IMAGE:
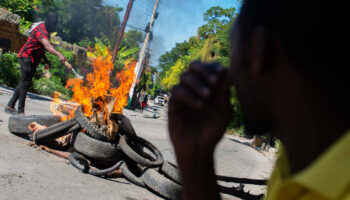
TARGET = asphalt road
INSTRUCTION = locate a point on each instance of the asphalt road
(27, 173)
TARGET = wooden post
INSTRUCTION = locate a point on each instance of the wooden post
(138, 68)
(121, 31)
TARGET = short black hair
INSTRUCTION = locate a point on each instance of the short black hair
(310, 31)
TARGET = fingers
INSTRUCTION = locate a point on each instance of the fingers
(182, 95)
(199, 84)
(206, 72)
(191, 81)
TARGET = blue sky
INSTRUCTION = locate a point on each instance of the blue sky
(178, 20)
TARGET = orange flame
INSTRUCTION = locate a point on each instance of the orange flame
(60, 108)
(98, 85)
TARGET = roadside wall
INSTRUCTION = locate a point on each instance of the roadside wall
(10, 38)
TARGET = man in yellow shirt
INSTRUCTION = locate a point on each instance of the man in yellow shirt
(291, 77)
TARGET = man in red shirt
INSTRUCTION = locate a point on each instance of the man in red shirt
(29, 58)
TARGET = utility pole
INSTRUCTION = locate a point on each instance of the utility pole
(135, 96)
(139, 66)
(121, 31)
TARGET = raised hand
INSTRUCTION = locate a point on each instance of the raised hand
(199, 110)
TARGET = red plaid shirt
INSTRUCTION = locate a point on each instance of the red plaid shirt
(33, 48)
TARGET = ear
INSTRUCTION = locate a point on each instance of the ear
(261, 52)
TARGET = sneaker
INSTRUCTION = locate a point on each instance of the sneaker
(21, 113)
(10, 110)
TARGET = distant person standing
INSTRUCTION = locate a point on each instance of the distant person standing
(144, 103)
(165, 98)
(30, 56)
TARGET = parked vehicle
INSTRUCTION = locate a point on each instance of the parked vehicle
(159, 100)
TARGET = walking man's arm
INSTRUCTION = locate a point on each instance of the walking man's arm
(48, 46)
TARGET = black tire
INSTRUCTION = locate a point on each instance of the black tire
(126, 127)
(242, 180)
(96, 149)
(131, 176)
(161, 185)
(55, 131)
(239, 192)
(136, 157)
(18, 124)
(90, 128)
(81, 163)
(170, 170)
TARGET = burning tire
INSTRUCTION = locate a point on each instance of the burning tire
(94, 148)
(161, 185)
(55, 131)
(126, 127)
(18, 124)
(136, 157)
(90, 128)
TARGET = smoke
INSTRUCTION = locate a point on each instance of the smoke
(157, 48)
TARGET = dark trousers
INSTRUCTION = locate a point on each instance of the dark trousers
(27, 73)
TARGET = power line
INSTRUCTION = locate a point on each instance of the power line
(123, 2)
(134, 27)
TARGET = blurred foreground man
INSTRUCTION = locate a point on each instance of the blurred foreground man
(292, 80)
(30, 56)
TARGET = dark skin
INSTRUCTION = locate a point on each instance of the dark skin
(276, 97)
(48, 46)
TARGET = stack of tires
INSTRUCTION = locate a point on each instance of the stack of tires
(126, 152)
(89, 142)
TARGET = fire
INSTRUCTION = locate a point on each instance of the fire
(60, 108)
(98, 86)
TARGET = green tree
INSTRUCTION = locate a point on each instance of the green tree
(23, 8)
(216, 17)
(10, 74)
(83, 20)
(170, 58)
(211, 45)
(132, 39)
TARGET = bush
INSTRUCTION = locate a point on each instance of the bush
(10, 70)
(279, 147)
(10, 74)
(47, 86)
(59, 77)
(57, 69)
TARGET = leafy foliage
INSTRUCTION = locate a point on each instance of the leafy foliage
(172, 76)
(23, 8)
(132, 39)
(10, 73)
(56, 68)
(145, 81)
(60, 75)
(80, 21)
(211, 45)
(216, 18)
(47, 86)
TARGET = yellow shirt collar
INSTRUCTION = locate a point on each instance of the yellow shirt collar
(329, 175)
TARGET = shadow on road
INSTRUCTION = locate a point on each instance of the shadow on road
(30, 95)
(244, 143)
(23, 136)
